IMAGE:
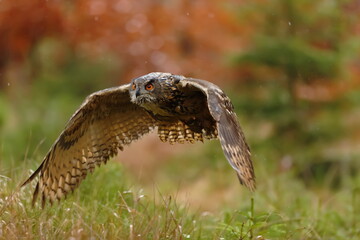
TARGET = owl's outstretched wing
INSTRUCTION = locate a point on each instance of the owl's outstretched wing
(105, 122)
(230, 134)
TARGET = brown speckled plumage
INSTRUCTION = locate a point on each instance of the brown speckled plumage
(182, 109)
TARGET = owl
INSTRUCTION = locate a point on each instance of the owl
(181, 109)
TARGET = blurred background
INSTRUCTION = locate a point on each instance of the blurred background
(292, 69)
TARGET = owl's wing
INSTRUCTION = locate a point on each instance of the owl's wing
(105, 122)
(231, 137)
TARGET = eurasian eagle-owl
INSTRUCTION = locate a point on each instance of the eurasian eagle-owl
(182, 109)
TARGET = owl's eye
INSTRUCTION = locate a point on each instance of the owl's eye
(149, 86)
(133, 86)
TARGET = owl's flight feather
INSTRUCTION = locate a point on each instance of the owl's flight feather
(230, 134)
(109, 120)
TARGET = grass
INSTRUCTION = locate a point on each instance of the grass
(101, 209)
(106, 207)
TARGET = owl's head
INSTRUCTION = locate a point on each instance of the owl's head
(153, 87)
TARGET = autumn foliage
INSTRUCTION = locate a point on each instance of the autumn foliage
(180, 36)
(23, 24)
(195, 38)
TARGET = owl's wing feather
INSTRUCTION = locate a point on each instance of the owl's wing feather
(231, 137)
(179, 132)
(105, 122)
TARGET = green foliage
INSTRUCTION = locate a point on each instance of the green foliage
(293, 56)
(301, 47)
(42, 109)
(3, 110)
(59, 68)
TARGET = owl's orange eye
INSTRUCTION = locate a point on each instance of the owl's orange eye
(133, 86)
(149, 86)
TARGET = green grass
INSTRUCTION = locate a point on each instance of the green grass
(105, 207)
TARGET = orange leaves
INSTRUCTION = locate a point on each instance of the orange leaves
(177, 36)
(23, 24)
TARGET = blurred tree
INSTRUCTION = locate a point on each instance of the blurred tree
(305, 47)
(297, 46)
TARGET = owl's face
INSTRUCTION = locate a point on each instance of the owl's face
(152, 88)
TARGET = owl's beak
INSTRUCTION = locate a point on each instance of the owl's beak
(137, 93)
